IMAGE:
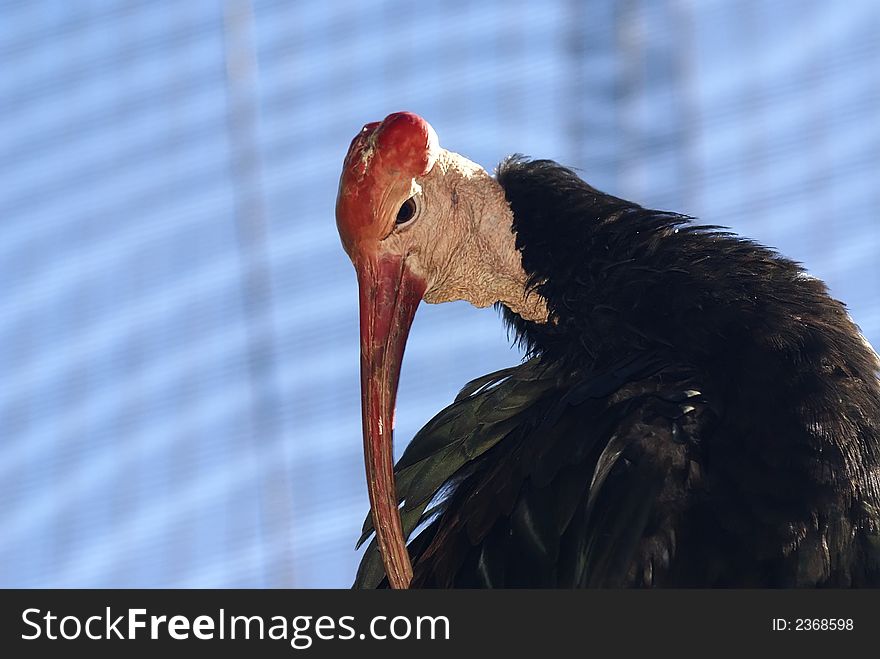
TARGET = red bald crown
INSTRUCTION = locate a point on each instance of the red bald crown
(377, 175)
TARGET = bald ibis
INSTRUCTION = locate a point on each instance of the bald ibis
(693, 409)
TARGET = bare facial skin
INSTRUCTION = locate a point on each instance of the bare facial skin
(460, 239)
(419, 223)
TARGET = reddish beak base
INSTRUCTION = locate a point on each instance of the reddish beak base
(389, 296)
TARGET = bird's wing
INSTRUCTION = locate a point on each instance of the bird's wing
(645, 487)
(486, 411)
(535, 478)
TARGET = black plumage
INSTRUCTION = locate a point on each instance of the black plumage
(698, 411)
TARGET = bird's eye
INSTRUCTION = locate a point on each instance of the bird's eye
(407, 211)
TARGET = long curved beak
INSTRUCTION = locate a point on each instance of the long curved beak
(389, 296)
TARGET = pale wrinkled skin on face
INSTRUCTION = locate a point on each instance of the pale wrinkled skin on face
(460, 239)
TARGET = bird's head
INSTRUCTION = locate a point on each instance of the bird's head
(419, 222)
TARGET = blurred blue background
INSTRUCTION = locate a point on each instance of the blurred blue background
(178, 322)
